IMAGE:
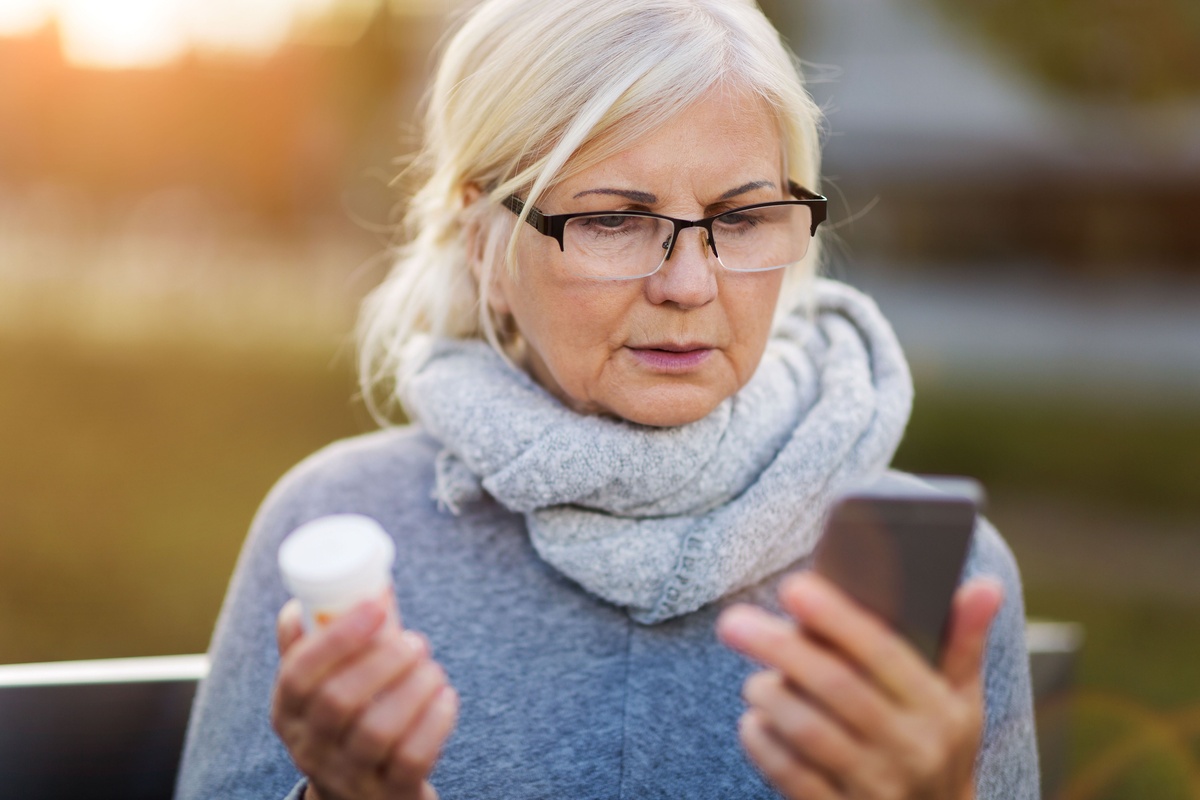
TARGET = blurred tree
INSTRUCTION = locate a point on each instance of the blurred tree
(277, 137)
(1138, 51)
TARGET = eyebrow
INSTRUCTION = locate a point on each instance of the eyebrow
(631, 195)
(646, 198)
(747, 187)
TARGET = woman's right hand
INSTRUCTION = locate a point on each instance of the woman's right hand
(361, 706)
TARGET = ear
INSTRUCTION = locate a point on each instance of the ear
(472, 229)
(476, 243)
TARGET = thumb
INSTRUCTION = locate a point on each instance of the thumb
(975, 605)
(288, 627)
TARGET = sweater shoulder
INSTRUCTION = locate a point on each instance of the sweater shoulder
(355, 473)
(385, 450)
(990, 555)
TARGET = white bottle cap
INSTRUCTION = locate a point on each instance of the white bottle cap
(334, 562)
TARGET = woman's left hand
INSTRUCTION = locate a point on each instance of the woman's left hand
(847, 709)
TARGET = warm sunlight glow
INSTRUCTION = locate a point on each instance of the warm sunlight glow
(119, 34)
(22, 17)
(238, 26)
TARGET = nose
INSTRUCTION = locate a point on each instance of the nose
(688, 278)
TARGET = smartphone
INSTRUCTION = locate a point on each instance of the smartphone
(898, 547)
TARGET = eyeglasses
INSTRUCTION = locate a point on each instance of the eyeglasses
(624, 245)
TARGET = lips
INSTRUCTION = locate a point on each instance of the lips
(672, 357)
(670, 347)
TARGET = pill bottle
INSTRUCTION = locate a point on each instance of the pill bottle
(335, 562)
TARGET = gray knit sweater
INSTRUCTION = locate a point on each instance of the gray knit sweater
(563, 695)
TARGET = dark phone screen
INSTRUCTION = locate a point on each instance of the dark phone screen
(900, 557)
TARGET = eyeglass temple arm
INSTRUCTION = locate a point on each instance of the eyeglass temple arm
(818, 206)
(535, 218)
(543, 224)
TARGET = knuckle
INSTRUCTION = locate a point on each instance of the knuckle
(332, 704)
(801, 730)
(373, 738)
(836, 681)
(789, 775)
(755, 688)
(416, 642)
(886, 779)
(438, 672)
(775, 763)
(411, 761)
(966, 718)
(770, 760)
(957, 720)
(306, 757)
(342, 641)
(346, 646)
(430, 675)
(928, 757)
(290, 687)
(401, 651)
(801, 783)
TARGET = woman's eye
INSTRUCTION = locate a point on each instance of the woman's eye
(740, 219)
(615, 223)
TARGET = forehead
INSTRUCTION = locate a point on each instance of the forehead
(728, 136)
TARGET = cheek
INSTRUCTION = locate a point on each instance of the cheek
(571, 326)
(751, 310)
(574, 333)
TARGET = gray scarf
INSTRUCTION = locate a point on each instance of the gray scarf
(662, 521)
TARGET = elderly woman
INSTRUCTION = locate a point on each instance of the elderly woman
(632, 405)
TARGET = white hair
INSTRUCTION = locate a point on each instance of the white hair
(530, 92)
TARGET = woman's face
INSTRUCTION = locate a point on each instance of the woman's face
(668, 348)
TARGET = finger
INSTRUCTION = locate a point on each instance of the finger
(790, 775)
(802, 725)
(378, 728)
(817, 671)
(421, 746)
(393, 713)
(829, 613)
(976, 604)
(288, 625)
(386, 660)
(309, 662)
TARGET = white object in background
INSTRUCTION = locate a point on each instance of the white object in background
(335, 562)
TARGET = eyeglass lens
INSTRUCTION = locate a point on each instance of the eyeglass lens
(628, 246)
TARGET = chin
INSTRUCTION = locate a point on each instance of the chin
(669, 408)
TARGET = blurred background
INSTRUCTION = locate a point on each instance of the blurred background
(195, 194)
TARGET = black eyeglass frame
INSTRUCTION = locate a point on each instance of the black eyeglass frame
(552, 225)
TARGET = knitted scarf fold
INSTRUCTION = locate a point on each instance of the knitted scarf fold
(662, 521)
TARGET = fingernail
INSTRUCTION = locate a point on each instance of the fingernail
(415, 642)
(790, 582)
(736, 624)
(803, 590)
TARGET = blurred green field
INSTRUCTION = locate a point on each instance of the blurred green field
(129, 478)
(129, 475)
(1099, 504)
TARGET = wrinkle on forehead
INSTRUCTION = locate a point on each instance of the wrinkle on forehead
(746, 118)
(688, 181)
